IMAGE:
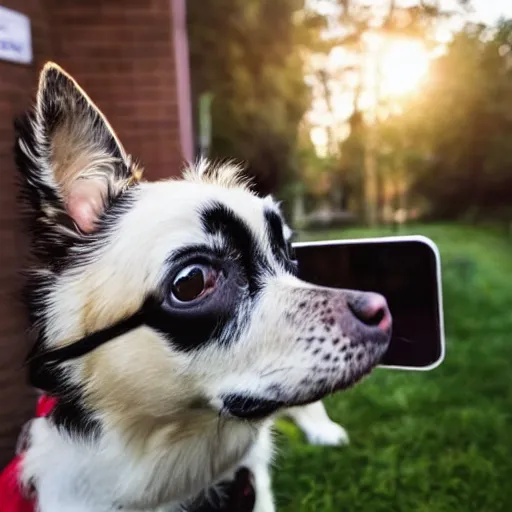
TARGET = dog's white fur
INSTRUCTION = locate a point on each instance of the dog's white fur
(317, 426)
(156, 449)
(72, 476)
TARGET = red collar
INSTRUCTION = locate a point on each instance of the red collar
(12, 497)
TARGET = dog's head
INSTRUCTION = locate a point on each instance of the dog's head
(236, 334)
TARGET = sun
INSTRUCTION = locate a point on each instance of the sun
(404, 66)
(390, 71)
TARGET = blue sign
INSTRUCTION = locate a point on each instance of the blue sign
(15, 36)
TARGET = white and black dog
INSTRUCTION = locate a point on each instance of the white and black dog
(169, 324)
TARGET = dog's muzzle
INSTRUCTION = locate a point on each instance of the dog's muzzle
(365, 321)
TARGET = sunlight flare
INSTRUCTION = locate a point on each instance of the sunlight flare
(404, 66)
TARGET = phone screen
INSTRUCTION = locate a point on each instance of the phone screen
(403, 269)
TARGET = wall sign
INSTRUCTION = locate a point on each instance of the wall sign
(15, 37)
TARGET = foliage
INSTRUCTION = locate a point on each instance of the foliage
(466, 126)
(448, 145)
(432, 442)
(247, 53)
(353, 25)
(444, 149)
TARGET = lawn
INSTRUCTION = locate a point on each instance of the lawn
(437, 441)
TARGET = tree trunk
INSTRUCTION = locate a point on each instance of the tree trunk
(370, 178)
(299, 209)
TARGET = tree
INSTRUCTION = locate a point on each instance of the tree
(247, 53)
(352, 23)
(466, 126)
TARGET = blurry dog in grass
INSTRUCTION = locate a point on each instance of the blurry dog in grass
(154, 418)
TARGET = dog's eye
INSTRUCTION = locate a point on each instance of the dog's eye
(193, 282)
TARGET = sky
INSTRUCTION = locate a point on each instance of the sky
(489, 11)
(486, 11)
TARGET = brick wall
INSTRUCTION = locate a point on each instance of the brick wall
(16, 86)
(123, 54)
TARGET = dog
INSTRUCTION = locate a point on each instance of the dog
(169, 325)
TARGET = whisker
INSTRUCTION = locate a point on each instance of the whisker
(401, 338)
(265, 368)
(277, 370)
(220, 420)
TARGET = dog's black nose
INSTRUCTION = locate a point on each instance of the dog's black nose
(371, 309)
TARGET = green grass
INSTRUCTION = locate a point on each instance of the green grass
(435, 441)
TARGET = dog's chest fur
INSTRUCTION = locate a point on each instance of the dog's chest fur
(103, 475)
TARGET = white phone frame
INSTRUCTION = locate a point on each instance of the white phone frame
(401, 238)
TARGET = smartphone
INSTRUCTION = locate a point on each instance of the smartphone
(406, 270)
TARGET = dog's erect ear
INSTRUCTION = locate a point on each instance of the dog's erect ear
(71, 160)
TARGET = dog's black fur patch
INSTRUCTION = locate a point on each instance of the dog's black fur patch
(219, 219)
(244, 264)
(71, 414)
(281, 248)
(237, 495)
(187, 329)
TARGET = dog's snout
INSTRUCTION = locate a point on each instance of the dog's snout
(371, 309)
